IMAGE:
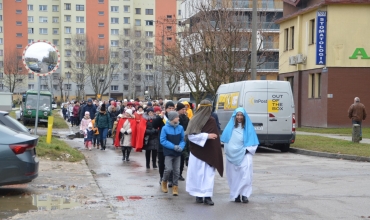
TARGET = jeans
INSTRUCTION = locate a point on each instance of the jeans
(96, 139)
(103, 132)
(172, 164)
(358, 122)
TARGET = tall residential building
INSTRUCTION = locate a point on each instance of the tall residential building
(325, 54)
(125, 34)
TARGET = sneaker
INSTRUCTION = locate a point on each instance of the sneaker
(181, 178)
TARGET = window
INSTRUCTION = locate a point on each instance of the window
(80, 53)
(114, 43)
(1, 6)
(149, 66)
(80, 42)
(137, 33)
(179, 12)
(56, 42)
(169, 38)
(1, 17)
(125, 87)
(55, 19)
(55, 7)
(67, 18)
(1, 41)
(43, 7)
(67, 41)
(169, 28)
(101, 58)
(1, 63)
(138, 88)
(138, 77)
(30, 19)
(149, 23)
(137, 66)
(114, 9)
(30, 41)
(55, 30)
(115, 77)
(43, 19)
(126, 20)
(126, 66)
(43, 31)
(1, 52)
(67, 6)
(286, 39)
(138, 56)
(31, 86)
(30, 7)
(67, 30)
(169, 16)
(149, 11)
(291, 38)
(101, 24)
(311, 32)
(101, 47)
(80, 8)
(18, 35)
(19, 46)
(138, 44)
(126, 43)
(114, 88)
(80, 19)
(101, 1)
(68, 53)
(114, 32)
(149, 77)
(18, 11)
(126, 8)
(101, 35)
(149, 44)
(79, 65)
(1, 29)
(114, 54)
(314, 89)
(149, 33)
(100, 12)
(137, 11)
(67, 86)
(137, 22)
(126, 32)
(114, 20)
(30, 76)
(80, 30)
(68, 75)
(149, 55)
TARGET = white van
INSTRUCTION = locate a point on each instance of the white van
(269, 104)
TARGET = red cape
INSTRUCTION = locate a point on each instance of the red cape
(140, 135)
(133, 131)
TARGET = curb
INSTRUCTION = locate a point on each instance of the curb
(329, 155)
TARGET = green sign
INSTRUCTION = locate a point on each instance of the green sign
(359, 52)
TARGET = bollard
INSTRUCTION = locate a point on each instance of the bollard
(356, 133)
(50, 129)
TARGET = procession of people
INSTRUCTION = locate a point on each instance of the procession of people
(174, 136)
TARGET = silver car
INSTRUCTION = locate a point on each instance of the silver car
(18, 161)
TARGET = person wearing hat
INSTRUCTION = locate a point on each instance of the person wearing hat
(114, 111)
(139, 114)
(147, 137)
(104, 124)
(127, 137)
(172, 140)
(189, 110)
(148, 105)
(89, 107)
(85, 122)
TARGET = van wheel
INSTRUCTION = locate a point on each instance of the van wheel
(284, 147)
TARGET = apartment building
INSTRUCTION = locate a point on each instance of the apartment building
(241, 20)
(125, 34)
(324, 53)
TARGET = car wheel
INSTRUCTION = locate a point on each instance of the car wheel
(284, 147)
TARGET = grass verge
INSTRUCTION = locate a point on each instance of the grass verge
(59, 122)
(57, 150)
(331, 145)
(340, 131)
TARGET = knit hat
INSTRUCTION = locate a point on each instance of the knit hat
(169, 104)
(87, 113)
(149, 104)
(129, 111)
(179, 106)
(149, 110)
(102, 108)
(157, 108)
(113, 103)
(89, 100)
(129, 103)
(125, 100)
(172, 115)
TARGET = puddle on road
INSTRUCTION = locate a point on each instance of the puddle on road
(20, 200)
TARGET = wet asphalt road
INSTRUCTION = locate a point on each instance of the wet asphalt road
(286, 186)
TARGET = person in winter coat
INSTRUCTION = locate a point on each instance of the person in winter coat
(139, 114)
(172, 140)
(88, 136)
(147, 137)
(114, 130)
(85, 122)
(96, 137)
(89, 107)
(70, 111)
(64, 111)
(127, 138)
(104, 124)
(76, 116)
(189, 110)
(114, 111)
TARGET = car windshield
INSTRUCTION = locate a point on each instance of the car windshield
(32, 102)
(19, 125)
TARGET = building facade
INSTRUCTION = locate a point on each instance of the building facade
(324, 53)
(127, 30)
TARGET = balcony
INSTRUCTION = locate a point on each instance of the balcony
(263, 67)
(264, 5)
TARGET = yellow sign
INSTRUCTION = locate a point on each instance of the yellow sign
(98, 95)
(273, 105)
(228, 101)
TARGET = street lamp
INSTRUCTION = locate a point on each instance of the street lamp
(110, 77)
(68, 86)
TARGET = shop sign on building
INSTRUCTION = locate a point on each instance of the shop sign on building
(321, 38)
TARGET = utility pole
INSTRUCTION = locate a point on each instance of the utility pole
(163, 94)
(254, 42)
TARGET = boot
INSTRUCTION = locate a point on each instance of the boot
(154, 158)
(124, 154)
(97, 146)
(102, 145)
(164, 186)
(128, 154)
(208, 201)
(175, 190)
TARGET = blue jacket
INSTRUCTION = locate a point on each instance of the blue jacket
(90, 135)
(88, 108)
(171, 136)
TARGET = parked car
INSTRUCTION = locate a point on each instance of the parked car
(18, 161)
(35, 67)
(51, 67)
(8, 121)
(54, 105)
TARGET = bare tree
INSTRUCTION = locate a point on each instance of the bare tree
(60, 85)
(215, 46)
(14, 75)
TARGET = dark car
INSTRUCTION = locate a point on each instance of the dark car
(35, 68)
(51, 67)
(18, 161)
(12, 123)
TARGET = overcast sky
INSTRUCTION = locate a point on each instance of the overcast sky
(38, 50)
